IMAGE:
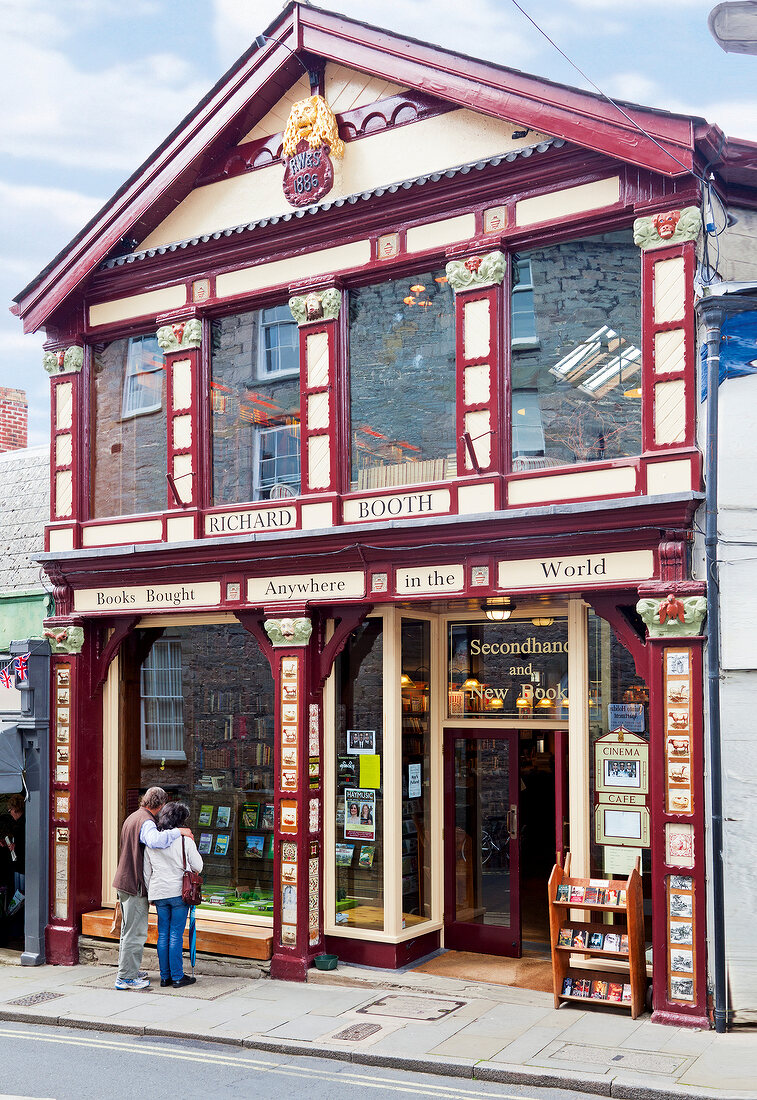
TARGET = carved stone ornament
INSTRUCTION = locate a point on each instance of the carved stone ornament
(180, 336)
(476, 271)
(69, 639)
(288, 631)
(673, 616)
(672, 227)
(313, 121)
(64, 361)
(322, 305)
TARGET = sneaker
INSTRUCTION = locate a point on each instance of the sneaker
(143, 974)
(186, 980)
(132, 983)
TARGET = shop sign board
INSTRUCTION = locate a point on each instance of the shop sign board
(621, 767)
(306, 586)
(152, 597)
(251, 519)
(576, 571)
(415, 505)
(430, 578)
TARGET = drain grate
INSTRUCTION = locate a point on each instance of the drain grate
(357, 1032)
(35, 999)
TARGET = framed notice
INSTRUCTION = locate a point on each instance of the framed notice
(623, 826)
(621, 763)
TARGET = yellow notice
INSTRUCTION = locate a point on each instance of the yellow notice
(370, 771)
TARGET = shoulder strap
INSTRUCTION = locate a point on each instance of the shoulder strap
(184, 853)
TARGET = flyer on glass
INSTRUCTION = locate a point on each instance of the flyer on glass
(359, 814)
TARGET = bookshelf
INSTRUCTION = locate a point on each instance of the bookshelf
(629, 923)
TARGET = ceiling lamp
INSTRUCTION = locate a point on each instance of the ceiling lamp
(471, 684)
(545, 703)
(417, 288)
(409, 301)
(635, 392)
(495, 704)
(522, 701)
(542, 622)
(406, 681)
(498, 609)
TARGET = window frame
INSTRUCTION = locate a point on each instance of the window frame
(129, 374)
(262, 373)
(161, 753)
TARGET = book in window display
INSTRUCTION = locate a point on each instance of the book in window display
(223, 817)
(250, 812)
(205, 816)
(267, 816)
(343, 854)
(205, 844)
(222, 845)
(254, 844)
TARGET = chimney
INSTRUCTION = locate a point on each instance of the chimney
(14, 413)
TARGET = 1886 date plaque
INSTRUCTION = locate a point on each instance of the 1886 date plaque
(308, 175)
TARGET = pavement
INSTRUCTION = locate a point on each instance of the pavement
(404, 1020)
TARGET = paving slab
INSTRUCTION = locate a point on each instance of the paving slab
(528, 1044)
(307, 1027)
(601, 1029)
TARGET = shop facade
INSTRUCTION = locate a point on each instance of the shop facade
(374, 475)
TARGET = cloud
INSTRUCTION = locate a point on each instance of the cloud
(90, 114)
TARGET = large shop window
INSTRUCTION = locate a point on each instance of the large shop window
(402, 382)
(203, 699)
(255, 406)
(512, 669)
(416, 772)
(129, 452)
(576, 352)
(359, 810)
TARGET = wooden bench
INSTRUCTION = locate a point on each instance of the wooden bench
(240, 941)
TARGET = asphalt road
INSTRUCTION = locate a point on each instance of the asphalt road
(53, 1063)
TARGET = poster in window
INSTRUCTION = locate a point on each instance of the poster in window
(414, 781)
(361, 741)
(359, 814)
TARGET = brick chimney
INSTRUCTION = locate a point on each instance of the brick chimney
(14, 414)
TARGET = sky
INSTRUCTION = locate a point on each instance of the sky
(91, 87)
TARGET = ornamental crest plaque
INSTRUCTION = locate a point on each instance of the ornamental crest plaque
(311, 138)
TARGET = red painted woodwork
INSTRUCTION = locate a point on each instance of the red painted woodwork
(330, 390)
(561, 796)
(387, 956)
(98, 668)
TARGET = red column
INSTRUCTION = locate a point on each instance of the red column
(64, 365)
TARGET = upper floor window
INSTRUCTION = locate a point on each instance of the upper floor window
(129, 444)
(402, 382)
(143, 382)
(279, 347)
(522, 320)
(576, 393)
(255, 406)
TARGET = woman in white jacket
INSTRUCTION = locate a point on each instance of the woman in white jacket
(164, 872)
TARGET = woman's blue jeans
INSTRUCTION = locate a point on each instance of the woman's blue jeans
(172, 917)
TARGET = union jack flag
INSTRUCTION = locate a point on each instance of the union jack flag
(5, 678)
(21, 666)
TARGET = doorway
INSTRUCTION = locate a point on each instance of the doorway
(505, 798)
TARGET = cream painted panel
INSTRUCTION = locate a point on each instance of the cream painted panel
(589, 483)
(319, 462)
(181, 380)
(182, 475)
(63, 494)
(435, 234)
(182, 432)
(318, 410)
(61, 538)
(472, 499)
(63, 450)
(63, 406)
(569, 200)
(347, 89)
(115, 534)
(316, 516)
(477, 387)
(357, 254)
(317, 359)
(669, 290)
(180, 529)
(669, 348)
(138, 305)
(276, 119)
(478, 424)
(670, 412)
(476, 328)
(389, 156)
(669, 477)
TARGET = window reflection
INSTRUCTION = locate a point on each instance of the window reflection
(402, 382)
(576, 358)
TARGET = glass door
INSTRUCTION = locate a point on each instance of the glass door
(481, 847)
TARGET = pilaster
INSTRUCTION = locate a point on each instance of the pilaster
(181, 342)
(64, 365)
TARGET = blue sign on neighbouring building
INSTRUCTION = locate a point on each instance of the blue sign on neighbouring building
(630, 715)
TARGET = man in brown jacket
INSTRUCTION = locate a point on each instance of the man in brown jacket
(138, 831)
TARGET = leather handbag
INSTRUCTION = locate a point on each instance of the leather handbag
(191, 883)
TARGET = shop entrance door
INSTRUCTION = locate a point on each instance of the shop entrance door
(481, 847)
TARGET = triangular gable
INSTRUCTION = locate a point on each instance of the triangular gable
(261, 77)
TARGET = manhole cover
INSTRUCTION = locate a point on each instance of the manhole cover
(34, 999)
(357, 1032)
(638, 1060)
(412, 1008)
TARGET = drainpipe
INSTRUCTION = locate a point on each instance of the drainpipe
(712, 313)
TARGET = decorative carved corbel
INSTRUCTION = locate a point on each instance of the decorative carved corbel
(476, 271)
(288, 632)
(64, 361)
(672, 227)
(318, 305)
(180, 336)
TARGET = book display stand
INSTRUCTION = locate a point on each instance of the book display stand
(570, 936)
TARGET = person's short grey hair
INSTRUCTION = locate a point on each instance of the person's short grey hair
(172, 816)
(153, 798)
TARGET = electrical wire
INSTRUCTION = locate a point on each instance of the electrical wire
(604, 95)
